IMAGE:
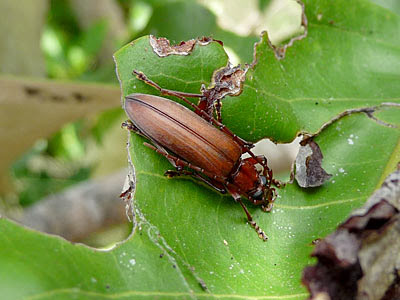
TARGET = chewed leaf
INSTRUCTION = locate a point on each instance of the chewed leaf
(193, 242)
(162, 46)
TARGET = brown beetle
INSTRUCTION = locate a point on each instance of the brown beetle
(197, 145)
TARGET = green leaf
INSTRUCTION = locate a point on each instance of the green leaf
(340, 65)
(349, 60)
(42, 267)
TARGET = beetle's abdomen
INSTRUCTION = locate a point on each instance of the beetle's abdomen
(183, 132)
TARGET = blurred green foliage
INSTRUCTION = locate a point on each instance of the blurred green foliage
(70, 52)
(36, 176)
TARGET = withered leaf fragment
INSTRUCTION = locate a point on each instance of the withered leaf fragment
(162, 47)
(227, 81)
(309, 172)
(361, 259)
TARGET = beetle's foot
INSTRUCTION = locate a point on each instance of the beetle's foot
(172, 173)
(140, 75)
(267, 207)
(247, 145)
(128, 125)
(261, 234)
(278, 183)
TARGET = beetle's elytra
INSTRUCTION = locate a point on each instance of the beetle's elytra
(197, 145)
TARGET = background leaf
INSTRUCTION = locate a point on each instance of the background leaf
(347, 61)
(184, 20)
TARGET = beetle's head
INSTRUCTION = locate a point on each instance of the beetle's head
(263, 192)
(255, 183)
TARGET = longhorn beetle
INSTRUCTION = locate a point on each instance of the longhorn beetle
(198, 145)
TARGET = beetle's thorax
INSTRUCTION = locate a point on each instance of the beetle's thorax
(246, 177)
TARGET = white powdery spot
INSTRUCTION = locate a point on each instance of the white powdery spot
(350, 142)
(132, 261)
(341, 170)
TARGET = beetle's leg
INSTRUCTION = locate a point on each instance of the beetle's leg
(131, 127)
(179, 164)
(271, 180)
(269, 203)
(212, 183)
(204, 104)
(145, 79)
(236, 196)
(166, 92)
(278, 183)
(267, 172)
(271, 192)
(256, 202)
(175, 173)
(261, 234)
(181, 95)
(128, 125)
(176, 162)
(245, 144)
(263, 162)
(218, 106)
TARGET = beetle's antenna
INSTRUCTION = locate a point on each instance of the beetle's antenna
(260, 232)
